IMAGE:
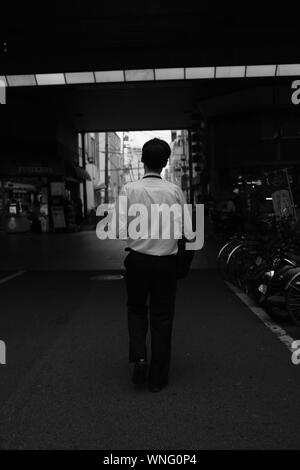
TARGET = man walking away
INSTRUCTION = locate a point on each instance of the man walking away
(151, 272)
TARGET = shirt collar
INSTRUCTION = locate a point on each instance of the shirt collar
(152, 175)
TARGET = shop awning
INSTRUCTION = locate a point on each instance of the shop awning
(82, 174)
(99, 186)
(76, 173)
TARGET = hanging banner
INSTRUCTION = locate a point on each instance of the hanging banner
(279, 183)
(282, 203)
(278, 179)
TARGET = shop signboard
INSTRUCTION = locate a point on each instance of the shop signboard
(23, 167)
(58, 217)
(279, 183)
(278, 179)
(44, 223)
(58, 188)
(35, 170)
(44, 193)
(282, 203)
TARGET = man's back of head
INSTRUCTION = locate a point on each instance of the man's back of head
(155, 154)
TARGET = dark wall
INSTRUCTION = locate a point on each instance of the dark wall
(37, 129)
(257, 139)
(245, 116)
(72, 36)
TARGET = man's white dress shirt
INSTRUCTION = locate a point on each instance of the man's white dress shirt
(148, 191)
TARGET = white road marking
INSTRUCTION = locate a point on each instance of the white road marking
(279, 332)
(107, 277)
(12, 276)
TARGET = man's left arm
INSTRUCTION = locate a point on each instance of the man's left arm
(187, 224)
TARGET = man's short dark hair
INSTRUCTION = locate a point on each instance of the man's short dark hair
(156, 153)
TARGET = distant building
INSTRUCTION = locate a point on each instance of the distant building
(133, 164)
(178, 169)
(116, 166)
(95, 165)
(92, 166)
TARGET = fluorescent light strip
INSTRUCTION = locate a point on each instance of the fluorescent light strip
(285, 70)
(21, 80)
(180, 73)
(50, 79)
(261, 70)
(80, 77)
(139, 75)
(169, 74)
(236, 71)
(109, 76)
(192, 73)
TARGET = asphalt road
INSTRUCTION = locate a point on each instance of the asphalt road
(79, 251)
(66, 384)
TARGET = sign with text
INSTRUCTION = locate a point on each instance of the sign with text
(2, 92)
(282, 203)
(279, 183)
(58, 188)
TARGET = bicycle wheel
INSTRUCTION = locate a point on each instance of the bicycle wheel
(236, 265)
(223, 257)
(293, 301)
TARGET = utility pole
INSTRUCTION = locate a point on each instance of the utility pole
(183, 159)
(191, 168)
(123, 159)
(214, 174)
(3, 218)
(106, 168)
(138, 169)
(84, 167)
(183, 143)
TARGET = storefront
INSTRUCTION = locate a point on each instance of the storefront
(38, 196)
(25, 204)
(25, 194)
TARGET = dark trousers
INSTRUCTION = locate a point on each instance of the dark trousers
(151, 283)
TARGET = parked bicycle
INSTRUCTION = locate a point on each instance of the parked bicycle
(267, 267)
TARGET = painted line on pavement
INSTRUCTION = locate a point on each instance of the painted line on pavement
(12, 276)
(279, 332)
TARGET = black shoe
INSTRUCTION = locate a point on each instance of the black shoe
(140, 369)
(156, 387)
